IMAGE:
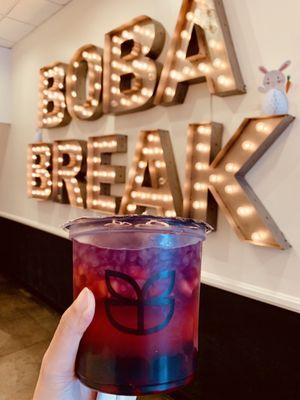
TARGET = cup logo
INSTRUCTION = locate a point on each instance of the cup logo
(150, 302)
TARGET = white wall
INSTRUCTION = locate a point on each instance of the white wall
(263, 33)
(5, 85)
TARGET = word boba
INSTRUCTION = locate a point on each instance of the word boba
(125, 77)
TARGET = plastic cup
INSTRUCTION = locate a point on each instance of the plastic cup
(145, 274)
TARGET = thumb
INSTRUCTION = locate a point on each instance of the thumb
(59, 359)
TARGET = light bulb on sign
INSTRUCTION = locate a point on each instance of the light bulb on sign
(201, 166)
(200, 186)
(245, 211)
(231, 167)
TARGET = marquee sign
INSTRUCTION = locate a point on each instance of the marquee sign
(125, 77)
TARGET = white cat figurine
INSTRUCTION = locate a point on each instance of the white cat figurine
(274, 86)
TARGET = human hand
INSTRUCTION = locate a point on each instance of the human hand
(57, 379)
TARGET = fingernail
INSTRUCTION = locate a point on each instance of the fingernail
(83, 301)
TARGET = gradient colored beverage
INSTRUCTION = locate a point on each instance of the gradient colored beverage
(145, 274)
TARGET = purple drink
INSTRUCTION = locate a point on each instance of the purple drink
(145, 274)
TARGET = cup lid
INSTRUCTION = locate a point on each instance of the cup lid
(138, 222)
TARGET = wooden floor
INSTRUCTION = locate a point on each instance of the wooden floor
(26, 327)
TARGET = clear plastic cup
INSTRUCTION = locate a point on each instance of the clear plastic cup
(145, 274)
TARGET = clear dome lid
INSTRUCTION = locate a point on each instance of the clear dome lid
(137, 223)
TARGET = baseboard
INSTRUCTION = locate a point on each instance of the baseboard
(253, 292)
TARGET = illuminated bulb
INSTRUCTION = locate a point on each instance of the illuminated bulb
(157, 150)
(60, 115)
(169, 91)
(115, 77)
(244, 211)
(73, 93)
(215, 178)
(152, 138)
(116, 50)
(223, 80)
(218, 63)
(190, 16)
(204, 68)
(131, 207)
(213, 44)
(133, 194)
(138, 179)
(73, 180)
(170, 213)
(85, 54)
(204, 130)
(199, 186)
(159, 164)
(124, 102)
(142, 164)
(180, 54)
(114, 90)
(262, 127)
(200, 166)
(97, 86)
(230, 189)
(126, 35)
(78, 157)
(248, 146)
(231, 167)
(116, 39)
(185, 35)
(76, 190)
(146, 92)
(79, 200)
(259, 236)
(94, 102)
(174, 74)
(145, 49)
(59, 184)
(136, 28)
(201, 147)
(199, 204)
(187, 70)
(74, 78)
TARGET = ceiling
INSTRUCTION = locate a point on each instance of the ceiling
(19, 17)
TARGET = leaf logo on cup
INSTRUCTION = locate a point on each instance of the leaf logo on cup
(153, 304)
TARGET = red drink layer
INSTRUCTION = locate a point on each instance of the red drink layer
(144, 335)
